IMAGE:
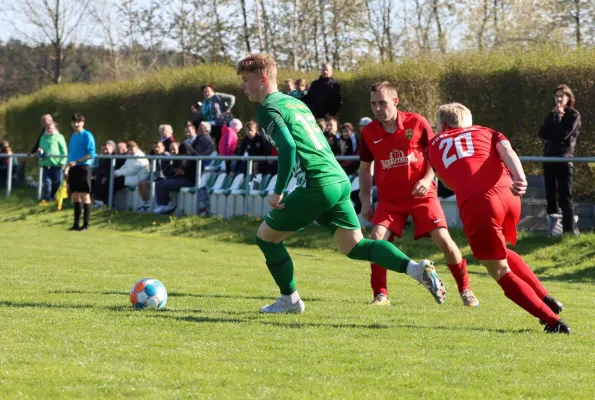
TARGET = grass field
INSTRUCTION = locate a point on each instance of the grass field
(67, 331)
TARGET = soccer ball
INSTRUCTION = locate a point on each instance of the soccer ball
(148, 293)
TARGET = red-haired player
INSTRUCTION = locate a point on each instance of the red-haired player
(485, 173)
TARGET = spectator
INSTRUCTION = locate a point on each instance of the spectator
(164, 169)
(203, 144)
(229, 140)
(363, 122)
(78, 171)
(349, 147)
(332, 128)
(216, 109)
(560, 131)
(288, 86)
(134, 170)
(166, 132)
(324, 96)
(253, 144)
(334, 144)
(190, 133)
(5, 162)
(301, 89)
(121, 150)
(321, 124)
(185, 176)
(52, 143)
(46, 120)
(100, 179)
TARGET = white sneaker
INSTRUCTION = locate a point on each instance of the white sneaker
(158, 210)
(284, 306)
(427, 276)
(168, 208)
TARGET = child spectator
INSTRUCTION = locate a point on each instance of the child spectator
(349, 147)
(52, 143)
(288, 86)
(301, 89)
(253, 144)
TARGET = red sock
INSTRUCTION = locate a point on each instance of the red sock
(459, 272)
(378, 279)
(524, 296)
(523, 271)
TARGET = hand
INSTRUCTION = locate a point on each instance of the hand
(559, 108)
(72, 164)
(275, 201)
(66, 170)
(367, 211)
(519, 187)
(421, 188)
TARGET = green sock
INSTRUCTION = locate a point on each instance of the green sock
(382, 253)
(280, 265)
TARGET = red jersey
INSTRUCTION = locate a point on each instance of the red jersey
(466, 159)
(400, 157)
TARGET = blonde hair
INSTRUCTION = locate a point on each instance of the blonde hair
(454, 115)
(259, 63)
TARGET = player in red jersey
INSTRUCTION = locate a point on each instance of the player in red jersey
(397, 142)
(485, 173)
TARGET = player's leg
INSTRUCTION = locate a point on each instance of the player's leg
(429, 220)
(378, 274)
(302, 206)
(343, 222)
(85, 195)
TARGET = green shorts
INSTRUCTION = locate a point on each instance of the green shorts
(328, 205)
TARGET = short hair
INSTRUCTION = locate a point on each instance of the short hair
(206, 125)
(162, 128)
(384, 85)
(299, 81)
(330, 118)
(77, 117)
(566, 90)
(202, 89)
(156, 142)
(322, 123)
(131, 143)
(189, 125)
(251, 124)
(455, 115)
(47, 115)
(259, 63)
(347, 125)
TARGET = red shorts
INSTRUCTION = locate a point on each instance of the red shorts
(490, 220)
(426, 212)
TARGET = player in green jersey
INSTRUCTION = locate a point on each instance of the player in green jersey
(322, 193)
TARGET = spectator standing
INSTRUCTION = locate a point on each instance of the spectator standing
(229, 140)
(185, 176)
(216, 109)
(253, 144)
(301, 89)
(52, 143)
(560, 130)
(349, 147)
(46, 120)
(324, 96)
(164, 169)
(78, 171)
(5, 162)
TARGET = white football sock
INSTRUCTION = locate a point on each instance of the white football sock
(292, 298)
(413, 271)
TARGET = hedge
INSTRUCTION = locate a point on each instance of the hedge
(508, 91)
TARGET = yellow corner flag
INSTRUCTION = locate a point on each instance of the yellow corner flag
(61, 194)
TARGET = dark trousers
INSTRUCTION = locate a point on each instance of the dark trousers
(558, 190)
(101, 189)
(162, 188)
(52, 178)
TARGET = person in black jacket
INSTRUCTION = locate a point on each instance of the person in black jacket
(253, 144)
(324, 95)
(185, 176)
(560, 131)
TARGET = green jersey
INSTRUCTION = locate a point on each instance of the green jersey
(288, 124)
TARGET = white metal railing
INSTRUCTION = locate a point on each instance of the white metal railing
(199, 161)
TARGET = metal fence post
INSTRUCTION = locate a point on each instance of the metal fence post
(9, 177)
(40, 185)
(247, 185)
(110, 201)
(152, 182)
(198, 179)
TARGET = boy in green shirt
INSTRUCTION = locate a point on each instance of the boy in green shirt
(322, 193)
(52, 143)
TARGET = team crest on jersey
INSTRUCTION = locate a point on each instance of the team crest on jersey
(409, 134)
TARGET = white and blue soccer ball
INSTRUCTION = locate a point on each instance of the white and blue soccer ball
(148, 293)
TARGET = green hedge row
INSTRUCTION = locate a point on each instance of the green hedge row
(510, 92)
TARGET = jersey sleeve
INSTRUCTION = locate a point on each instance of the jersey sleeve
(497, 137)
(365, 154)
(285, 146)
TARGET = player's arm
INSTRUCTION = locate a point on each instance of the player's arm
(421, 187)
(285, 146)
(513, 163)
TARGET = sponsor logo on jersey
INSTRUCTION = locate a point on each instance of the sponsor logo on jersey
(409, 134)
(398, 159)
